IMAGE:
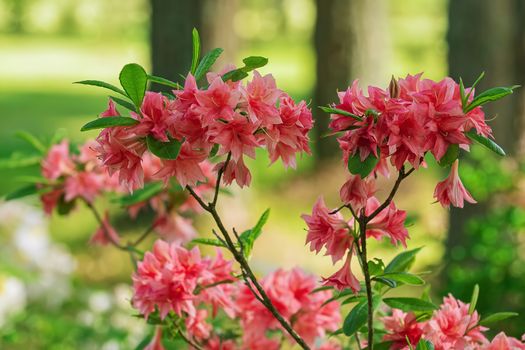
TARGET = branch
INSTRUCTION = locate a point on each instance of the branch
(106, 233)
(189, 341)
(248, 274)
(401, 176)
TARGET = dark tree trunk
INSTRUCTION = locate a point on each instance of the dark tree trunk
(486, 35)
(333, 44)
(171, 42)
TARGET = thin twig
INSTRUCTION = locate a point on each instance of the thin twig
(189, 341)
(103, 226)
(248, 274)
(144, 235)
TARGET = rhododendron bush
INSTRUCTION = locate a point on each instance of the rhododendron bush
(173, 153)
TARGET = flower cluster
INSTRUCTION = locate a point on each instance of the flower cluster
(450, 327)
(174, 279)
(70, 176)
(402, 124)
(74, 173)
(224, 118)
(328, 229)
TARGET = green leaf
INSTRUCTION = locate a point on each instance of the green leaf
(332, 110)
(493, 318)
(19, 161)
(109, 122)
(424, 345)
(402, 261)
(358, 316)
(22, 192)
(249, 236)
(387, 281)
(63, 207)
(353, 299)
(234, 75)
(149, 190)
(410, 304)
(207, 61)
(124, 103)
(450, 156)
(484, 141)
(490, 95)
(164, 150)
(404, 277)
(163, 81)
(376, 267)
(214, 150)
(462, 93)
(134, 79)
(250, 63)
(196, 50)
(254, 62)
(31, 140)
(474, 299)
(481, 76)
(363, 168)
(102, 84)
(208, 241)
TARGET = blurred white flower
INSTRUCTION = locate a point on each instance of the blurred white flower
(12, 297)
(100, 302)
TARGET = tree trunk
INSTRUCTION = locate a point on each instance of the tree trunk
(171, 42)
(333, 44)
(486, 35)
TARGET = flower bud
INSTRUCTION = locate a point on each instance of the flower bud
(393, 88)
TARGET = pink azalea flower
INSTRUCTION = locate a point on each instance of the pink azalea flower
(330, 345)
(235, 136)
(400, 327)
(261, 95)
(236, 170)
(111, 111)
(356, 192)
(290, 137)
(156, 341)
(50, 200)
(105, 234)
(196, 325)
(389, 222)
(156, 118)
(344, 278)
(452, 327)
(291, 293)
(166, 279)
(217, 103)
(502, 342)
(58, 162)
(216, 343)
(186, 168)
(327, 230)
(174, 228)
(84, 184)
(451, 190)
(121, 152)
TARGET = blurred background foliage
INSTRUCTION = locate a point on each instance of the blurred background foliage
(315, 47)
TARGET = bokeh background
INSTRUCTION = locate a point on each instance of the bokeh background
(57, 292)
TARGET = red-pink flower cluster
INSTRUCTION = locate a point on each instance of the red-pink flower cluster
(169, 279)
(329, 230)
(402, 124)
(70, 176)
(234, 117)
(292, 293)
(450, 327)
(173, 279)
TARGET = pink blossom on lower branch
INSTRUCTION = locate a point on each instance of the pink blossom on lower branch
(327, 230)
(156, 341)
(452, 327)
(401, 328)
(452, 191)
(344, 278)
(503, 342)
(292, 294)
